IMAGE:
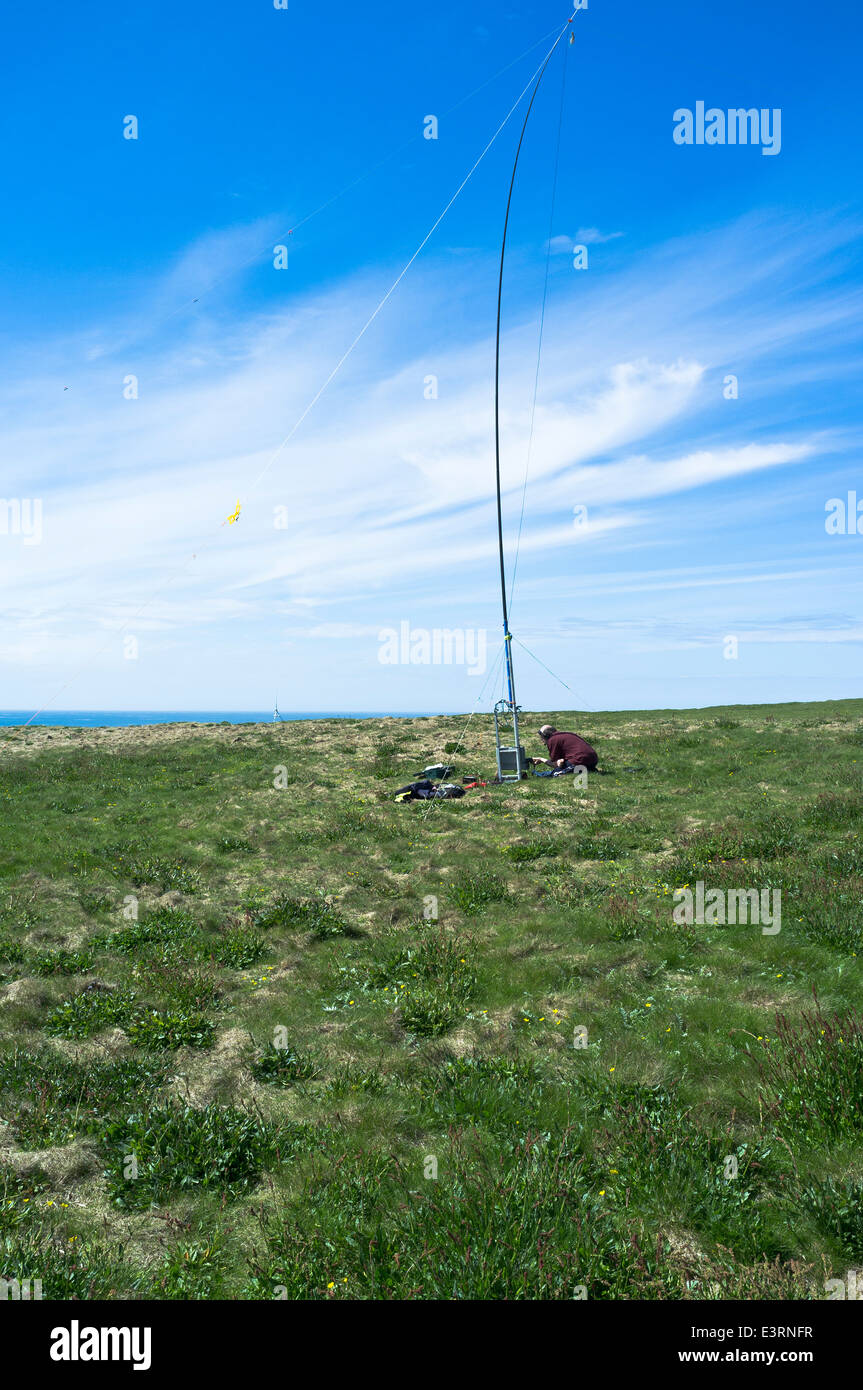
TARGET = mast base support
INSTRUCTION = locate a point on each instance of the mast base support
(511, 757)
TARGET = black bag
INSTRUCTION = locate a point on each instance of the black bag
(427, 791)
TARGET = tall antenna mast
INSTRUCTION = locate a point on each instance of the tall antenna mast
(510, 761)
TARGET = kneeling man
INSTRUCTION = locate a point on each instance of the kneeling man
(567, 751)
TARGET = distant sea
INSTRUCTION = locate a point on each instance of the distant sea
(129, 718)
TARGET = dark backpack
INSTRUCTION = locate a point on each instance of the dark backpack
(428, 791)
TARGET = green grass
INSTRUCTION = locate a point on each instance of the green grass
(55, 1099)
(282, 1066)
(82, 1015)
(472, 891)
(811, 1076)
(170, 1029)
(239, 947)
(169, 1150)
(165, 924)
(312, 915)
(510, 1074)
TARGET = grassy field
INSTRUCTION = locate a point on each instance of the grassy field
(262, 1041)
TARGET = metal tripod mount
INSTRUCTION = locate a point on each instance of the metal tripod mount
(511, 761)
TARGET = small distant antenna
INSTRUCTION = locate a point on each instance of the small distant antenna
(277, 718)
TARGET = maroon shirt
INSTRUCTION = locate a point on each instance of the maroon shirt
(573, 749)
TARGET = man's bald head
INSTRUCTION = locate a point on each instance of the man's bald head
(547, 730)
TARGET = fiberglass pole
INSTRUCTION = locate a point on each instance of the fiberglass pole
(510, 677)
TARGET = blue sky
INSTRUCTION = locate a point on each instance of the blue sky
(153, 258)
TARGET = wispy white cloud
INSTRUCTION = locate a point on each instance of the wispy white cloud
(585, 236)
(388, 494)
(770, 636)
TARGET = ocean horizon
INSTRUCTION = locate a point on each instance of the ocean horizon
(120, 719)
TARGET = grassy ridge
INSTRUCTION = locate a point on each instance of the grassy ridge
(262, 1040)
